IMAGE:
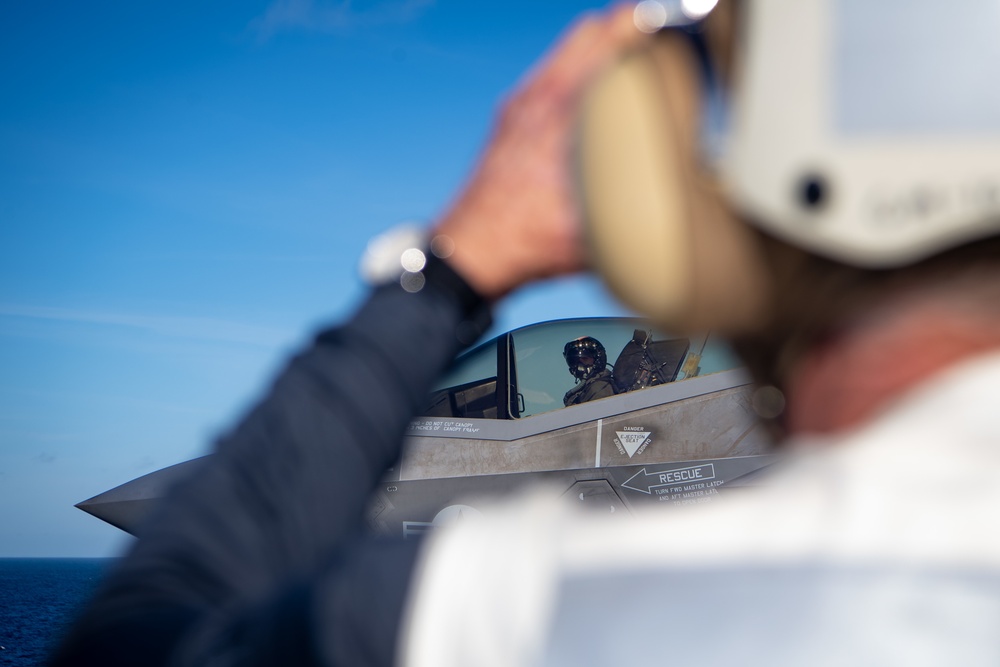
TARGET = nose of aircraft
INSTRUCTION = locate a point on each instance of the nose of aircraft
(125, 506)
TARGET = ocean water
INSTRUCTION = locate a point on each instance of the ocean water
(38, 599)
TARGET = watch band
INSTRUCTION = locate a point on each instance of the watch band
(438, 274)
(405, 257)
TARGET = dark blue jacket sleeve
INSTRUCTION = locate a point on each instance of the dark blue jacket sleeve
(259, 558)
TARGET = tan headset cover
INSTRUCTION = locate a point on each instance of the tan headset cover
(658, 230)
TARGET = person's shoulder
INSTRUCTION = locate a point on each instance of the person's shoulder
(573, 396)
(604, 378)
(600, 385)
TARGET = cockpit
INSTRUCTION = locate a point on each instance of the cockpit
(524, 372)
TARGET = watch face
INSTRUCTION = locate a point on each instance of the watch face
(391, 254)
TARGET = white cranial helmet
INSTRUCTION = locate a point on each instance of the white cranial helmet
(866, 131)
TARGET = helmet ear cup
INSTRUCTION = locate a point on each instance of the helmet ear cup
(658, 229)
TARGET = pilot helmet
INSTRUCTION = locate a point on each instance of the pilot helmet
(866, 134)
(585, 357)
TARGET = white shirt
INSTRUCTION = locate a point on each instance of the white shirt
(878, 546)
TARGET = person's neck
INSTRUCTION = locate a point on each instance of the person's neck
(862, 369)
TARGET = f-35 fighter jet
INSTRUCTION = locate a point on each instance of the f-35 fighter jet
(665, 421)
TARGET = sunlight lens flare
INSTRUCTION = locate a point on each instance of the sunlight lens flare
(697, 9)
(652, 15)
(649, 16)
(413, 260)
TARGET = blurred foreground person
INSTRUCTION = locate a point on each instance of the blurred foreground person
(820, 181)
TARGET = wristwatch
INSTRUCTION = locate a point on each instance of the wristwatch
(408, 255)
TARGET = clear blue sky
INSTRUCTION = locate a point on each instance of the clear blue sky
(185, 188)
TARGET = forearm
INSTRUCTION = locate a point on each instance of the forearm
(280, 503)
(265, 532)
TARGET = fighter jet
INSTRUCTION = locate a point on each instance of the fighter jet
(670, 423)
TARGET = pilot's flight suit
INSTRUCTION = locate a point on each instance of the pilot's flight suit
(599, 385)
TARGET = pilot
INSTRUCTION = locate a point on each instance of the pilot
(852, 254)
(588, 363)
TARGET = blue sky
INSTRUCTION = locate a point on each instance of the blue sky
(185, 188)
